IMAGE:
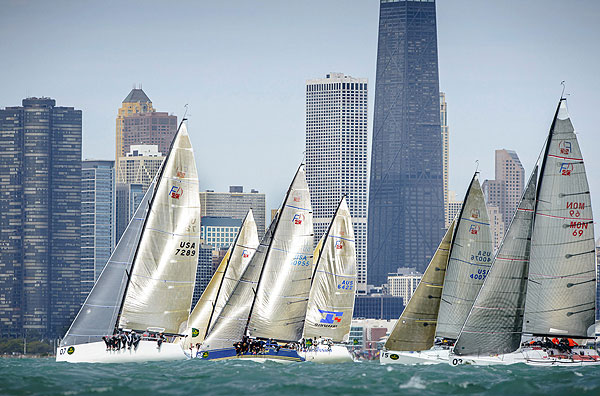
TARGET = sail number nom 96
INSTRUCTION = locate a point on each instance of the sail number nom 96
(186, 249)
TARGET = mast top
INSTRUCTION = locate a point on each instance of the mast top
(563, 113)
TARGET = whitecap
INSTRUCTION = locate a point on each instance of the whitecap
(414, 382)
(578, 374)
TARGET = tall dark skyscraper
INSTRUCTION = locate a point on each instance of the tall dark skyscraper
(40, 210)
(406, 197)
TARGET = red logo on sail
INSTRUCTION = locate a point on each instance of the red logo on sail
(565, 147)
(474, 229)
(475, 214)
(298, 218)
(339, 244)
(296, 199)
(245, 253)
(176, 192)
(565, 169)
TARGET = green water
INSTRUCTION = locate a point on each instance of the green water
(236, 378)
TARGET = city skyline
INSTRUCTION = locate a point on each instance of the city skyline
(491, 75)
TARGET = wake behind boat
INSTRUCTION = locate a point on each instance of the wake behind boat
(142, 298)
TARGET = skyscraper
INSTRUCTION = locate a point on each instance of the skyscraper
(406, 192)
(234, 204)
(336, 155)
(506, 190)
(136, 102)
(40, 210)
(445, 155)
(140, 165)
(97, 219)
(154, 128)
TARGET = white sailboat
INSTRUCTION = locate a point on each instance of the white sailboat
(437, 310)
(543, 280)
(148, 282)
(269, 301)
(221, 285)
(331, 299)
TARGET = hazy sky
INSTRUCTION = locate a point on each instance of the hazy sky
(242, 65)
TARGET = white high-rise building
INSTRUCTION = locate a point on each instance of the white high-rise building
(403, 285)
(336, 155)
(454, 206)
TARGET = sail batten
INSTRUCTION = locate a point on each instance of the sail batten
(468, 264)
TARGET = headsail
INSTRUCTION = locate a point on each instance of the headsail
(331, 299)
(230, 324)
(495, 323)
(222, 283)
(562, 269)
(415, 330)
(98, 314)
(279, 306)
(160, 289)
(469, 262)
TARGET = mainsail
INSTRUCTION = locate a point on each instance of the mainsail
(222, 283)
(98, 314)
(495, 323)
(161, 285)
(415, 330)
(468, 265)
(331, 299)
(562, 269)
(279, 307)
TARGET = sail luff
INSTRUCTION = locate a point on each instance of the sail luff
(331, 299)
(494, 325)
(468, 264)
(562, 278)
(415, 329)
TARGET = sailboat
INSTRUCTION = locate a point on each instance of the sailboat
(148, 282)
(437, 310)
(269, 301)
(543, 280)
(331, 298)
(221, 285)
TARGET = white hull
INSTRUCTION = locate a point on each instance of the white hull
(532, 357)
(430, 356)
(96, 352)
(322, 354)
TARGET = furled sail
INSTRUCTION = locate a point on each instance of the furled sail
(230, 325)
(222, 283)
(279, 308)
(562, 269)
(331, 299)
(98, 314)
(495, 323)
(468, 265)
(161, 284)
(415, 330)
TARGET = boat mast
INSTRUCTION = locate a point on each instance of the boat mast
(325, 239)
(137, 249)
(262, 270)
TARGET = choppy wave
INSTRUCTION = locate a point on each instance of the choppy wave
(237, 378)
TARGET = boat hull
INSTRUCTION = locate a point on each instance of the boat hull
(322, 354)
(532, 357)
(283, 355)
(430, 356)
(96, 352)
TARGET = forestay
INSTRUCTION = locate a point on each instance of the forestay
(562, 270)
(415, 330)
(495, 323)
(279, 308)
(98, 315)
(230, 325)
(222, 283)
(160, 290)
(468, 265)
(331, 299)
